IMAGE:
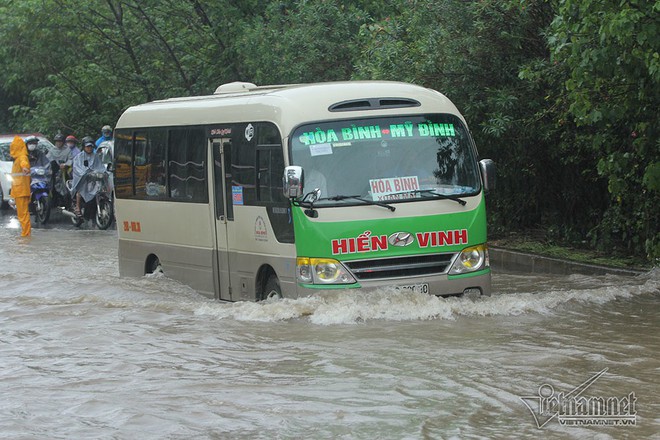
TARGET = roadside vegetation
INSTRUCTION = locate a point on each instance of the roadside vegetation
(562, 94)
(537, 243)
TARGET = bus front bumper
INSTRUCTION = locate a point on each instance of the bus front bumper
(442, 285)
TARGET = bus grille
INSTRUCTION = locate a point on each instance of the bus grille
(400, 267)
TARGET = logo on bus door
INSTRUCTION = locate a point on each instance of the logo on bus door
(249, 132)
(260, 231)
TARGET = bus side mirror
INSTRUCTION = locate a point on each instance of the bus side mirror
(293, 182)
(487, 167)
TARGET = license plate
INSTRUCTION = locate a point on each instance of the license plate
(417, 288)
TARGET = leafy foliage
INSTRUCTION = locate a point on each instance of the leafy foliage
(612, 84)
(562, 94)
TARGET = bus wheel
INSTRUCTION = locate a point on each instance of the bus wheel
(272, 289)
(153, 265)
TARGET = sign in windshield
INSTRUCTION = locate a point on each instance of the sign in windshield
(389, 159)
(356, 132)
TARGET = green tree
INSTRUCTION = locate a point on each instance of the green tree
(612, 91)
(563, 94)
(303, 41)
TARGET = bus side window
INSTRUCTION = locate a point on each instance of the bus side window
(123, 164)
(242, 171)
(139, 159)
(270, 169)
(270, 163)
(150, 170)
(229, 178)
(187, 164)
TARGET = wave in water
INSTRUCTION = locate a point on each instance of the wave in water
(350, 306)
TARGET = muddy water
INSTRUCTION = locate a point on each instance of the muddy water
(86, 354)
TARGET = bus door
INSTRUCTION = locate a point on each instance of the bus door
(223, 212)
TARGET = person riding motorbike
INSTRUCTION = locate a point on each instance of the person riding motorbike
(106, 135)
(72, 143)
(83, 164)
(60, 154)
(36, 156)
(40, 171)
(60, 158)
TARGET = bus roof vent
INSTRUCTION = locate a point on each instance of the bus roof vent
(373, 104)
(235, 87)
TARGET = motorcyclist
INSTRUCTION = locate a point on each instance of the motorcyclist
(60, 158)
(60, 154)
(84, 163)
(35, 154)
(40, 169)
(106, 135)
(72, 143)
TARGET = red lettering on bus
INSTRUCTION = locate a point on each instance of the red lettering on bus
(445, 238)
(339, 246)
(423, 239)
(379, 243)
(363, 243)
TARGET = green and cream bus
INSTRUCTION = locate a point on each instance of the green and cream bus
(291, 190)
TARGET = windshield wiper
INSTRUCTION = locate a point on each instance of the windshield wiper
(441, 196)
(362, 199)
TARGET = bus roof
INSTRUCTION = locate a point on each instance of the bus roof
(289, 105)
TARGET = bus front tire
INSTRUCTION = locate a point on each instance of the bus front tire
(272, 289)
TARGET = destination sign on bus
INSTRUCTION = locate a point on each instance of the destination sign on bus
(364, 132)
(394, 188)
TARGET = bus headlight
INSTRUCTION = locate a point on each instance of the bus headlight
(470, 260)
(322, 271)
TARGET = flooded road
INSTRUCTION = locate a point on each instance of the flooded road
(86, 354)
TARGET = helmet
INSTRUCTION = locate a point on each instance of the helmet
(87, 140)
(72, 138)
(106, 129)
(31, 142)
(59, 137)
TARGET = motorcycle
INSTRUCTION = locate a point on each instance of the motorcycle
(98, 184)
(61, 196)
(40, 199)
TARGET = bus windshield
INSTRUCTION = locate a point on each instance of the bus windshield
(389, 159)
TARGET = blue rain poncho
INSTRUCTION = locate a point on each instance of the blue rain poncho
(60, 155)
(84, 167)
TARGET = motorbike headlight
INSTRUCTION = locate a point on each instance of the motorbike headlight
(470, 260)
(322, 271)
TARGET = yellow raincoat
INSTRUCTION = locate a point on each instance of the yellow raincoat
(20, 188)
